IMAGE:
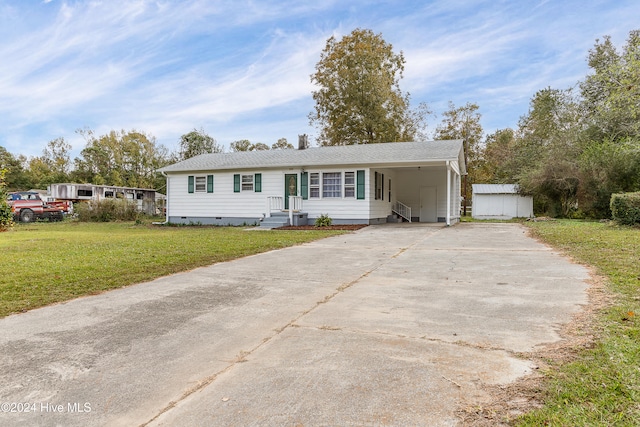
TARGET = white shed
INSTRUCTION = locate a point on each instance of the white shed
(500, 201)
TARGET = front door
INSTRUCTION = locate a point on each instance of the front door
(290, 187)
(428, 204)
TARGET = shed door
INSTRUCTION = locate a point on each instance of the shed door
(290, 187)
(428, 205)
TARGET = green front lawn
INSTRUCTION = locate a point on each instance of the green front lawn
(45, 263)
(602, 386)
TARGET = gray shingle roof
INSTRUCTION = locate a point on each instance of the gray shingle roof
(394, 153)
(495, 188)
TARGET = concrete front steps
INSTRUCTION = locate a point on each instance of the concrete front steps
(281, 219)
(277, 219)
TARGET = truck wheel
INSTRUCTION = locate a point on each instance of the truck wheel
(27, 215)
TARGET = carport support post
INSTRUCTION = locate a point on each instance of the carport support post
(448, 193)
(291, 201)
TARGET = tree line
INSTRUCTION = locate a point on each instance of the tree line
(119, 158)
(571, 150)
(577, 146)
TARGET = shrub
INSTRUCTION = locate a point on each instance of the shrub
(108, 210)
(323, 221)
(625, 208)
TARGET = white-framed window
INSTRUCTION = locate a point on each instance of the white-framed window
(331, 184)
(201, 184)
(247, 182)
(314, 185)
(349, 184)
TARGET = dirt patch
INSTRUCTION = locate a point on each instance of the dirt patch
(507, 402)
(349, 227)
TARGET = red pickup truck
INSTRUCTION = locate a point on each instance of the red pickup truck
(28, 207)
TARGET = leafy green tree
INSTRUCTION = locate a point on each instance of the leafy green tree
(195, 143)
(464, 123)
(246, 145)
(6, 216)
(56, 156)
(40, 172)
(548, 151)
(129, 159)
(282, 144)
(241, 145)
(358, 100)
(612, 91)
(499, 161)
(53, 166)
(16, 177)
(608, 167)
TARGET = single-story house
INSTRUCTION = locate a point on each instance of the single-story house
(500, 201)
(353, 184)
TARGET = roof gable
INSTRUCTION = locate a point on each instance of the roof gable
(391, 153)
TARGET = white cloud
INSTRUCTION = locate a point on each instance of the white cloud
(243, 67)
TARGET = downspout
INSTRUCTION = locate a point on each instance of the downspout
(448, 194)
(166, 203)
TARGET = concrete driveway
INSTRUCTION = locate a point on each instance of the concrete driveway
(391, 325)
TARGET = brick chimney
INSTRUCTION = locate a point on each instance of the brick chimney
(303, 142)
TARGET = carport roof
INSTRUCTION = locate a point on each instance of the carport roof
(370, 154)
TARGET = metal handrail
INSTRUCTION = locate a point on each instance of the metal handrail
(403, 210)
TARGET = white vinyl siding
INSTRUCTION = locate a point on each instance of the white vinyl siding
(224, 202)
(341, 207)
(406, 182)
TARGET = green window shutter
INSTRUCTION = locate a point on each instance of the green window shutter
(360, 184)
(304, 185)
(236, 183)
(190, 186)
(375, 186)
(209, 183)
(257, 182)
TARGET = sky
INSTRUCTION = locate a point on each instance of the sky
(240, 69)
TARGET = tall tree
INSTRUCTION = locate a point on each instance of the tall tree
(548, 151)
(56, 157)
(358, 100)
(282, 144)
(612, 91)
(16, 177)
(195, 143)
(122, 158)
(246, 145)
(464, 123)
(241, 145)
(6, 216)
(499, 161)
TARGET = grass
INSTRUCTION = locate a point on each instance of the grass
(602, 386)
(45, 263)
